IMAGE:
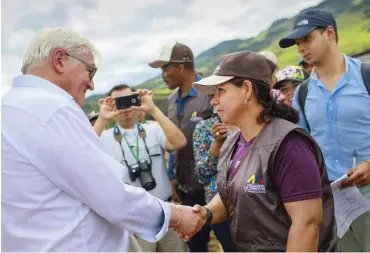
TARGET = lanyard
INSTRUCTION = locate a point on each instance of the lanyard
(141, 132)
(137, 147)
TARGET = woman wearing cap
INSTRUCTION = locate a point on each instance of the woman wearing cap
(287, 81)
(272, 182)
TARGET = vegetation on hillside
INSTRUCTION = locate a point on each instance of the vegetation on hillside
(353, 21)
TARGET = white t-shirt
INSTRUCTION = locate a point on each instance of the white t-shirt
(155, 141)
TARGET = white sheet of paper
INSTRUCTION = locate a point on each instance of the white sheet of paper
(349, 204)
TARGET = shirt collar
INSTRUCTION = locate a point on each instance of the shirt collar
(315, 77)
(125, 132)
(39, 83)
(192, 93)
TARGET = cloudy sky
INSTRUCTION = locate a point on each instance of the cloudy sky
(130, 33)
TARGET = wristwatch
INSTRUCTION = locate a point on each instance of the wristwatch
(209, 216)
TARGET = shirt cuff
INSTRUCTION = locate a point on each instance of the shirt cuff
(164, 223)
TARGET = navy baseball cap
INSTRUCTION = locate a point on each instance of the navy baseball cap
(306, 22)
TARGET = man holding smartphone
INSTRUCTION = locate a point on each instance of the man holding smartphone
(137, 146)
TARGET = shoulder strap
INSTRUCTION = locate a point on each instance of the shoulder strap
(142, 134)
(365, 71)
(141, 130)
(302, 94)
(303, 89)
(117, 133)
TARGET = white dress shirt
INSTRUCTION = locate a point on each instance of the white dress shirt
(155, 141)
(60, 189)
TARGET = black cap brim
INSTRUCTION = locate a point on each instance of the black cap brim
(300, 32)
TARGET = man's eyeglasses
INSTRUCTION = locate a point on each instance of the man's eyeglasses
(90, 68)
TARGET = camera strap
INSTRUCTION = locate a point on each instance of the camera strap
(141, 132)
(118, 137)
(137, 147)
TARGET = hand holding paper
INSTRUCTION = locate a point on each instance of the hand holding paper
(349, 204)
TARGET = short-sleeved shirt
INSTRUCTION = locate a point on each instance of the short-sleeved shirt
(155, 141)
(296, 172)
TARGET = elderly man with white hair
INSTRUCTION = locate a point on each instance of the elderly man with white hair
(60, 190)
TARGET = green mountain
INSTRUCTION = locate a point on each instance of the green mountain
(353, 20)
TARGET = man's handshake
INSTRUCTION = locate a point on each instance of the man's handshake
(186, 220)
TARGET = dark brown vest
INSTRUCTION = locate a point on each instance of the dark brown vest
(184, 158)
(259, 221)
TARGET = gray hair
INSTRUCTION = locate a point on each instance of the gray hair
(57, 38)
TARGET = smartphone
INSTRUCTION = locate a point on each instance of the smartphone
(127, 101)
(215, 115)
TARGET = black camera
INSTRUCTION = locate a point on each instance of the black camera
(127, 101)
(143, 171)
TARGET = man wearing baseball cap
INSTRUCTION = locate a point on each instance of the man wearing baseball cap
(186, 107)
(333, 106)
(306, 22)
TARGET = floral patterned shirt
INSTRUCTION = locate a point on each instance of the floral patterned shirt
(205, 163)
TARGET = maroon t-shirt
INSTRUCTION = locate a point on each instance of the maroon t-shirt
(296, 172)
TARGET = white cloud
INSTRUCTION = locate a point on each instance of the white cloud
(131, 33)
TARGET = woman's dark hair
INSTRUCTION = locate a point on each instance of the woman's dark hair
(271, 107)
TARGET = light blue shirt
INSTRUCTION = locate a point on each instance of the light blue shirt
(339, 121)
(60, 190)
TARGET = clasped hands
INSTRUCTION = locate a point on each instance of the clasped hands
(186, 220)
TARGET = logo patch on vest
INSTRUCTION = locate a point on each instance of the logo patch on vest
(195, 117)
(255, 184)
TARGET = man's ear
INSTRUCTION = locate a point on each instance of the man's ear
(181, 68)
(56, 59)
(331, 33)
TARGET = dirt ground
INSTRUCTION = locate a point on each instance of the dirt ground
(214, 245)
